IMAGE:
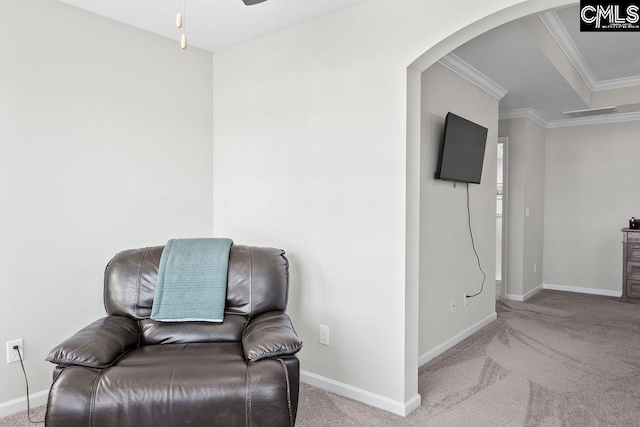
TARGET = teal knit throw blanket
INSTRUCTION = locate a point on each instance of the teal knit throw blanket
(192, 281)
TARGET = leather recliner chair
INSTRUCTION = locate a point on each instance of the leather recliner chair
(128, 370)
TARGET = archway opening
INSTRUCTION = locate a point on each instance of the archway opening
(416, 206)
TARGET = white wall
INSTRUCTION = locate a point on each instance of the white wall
(105, 144)
(591, 192)
(534, 200)
(526, 189)
(312, 153)
(448, 266)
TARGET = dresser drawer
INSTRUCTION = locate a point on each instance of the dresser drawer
(633, 236)
(633, 252)
(633, 271)
(633, 289)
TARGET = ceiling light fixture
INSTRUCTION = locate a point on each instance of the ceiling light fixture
(180, 22)
(182, 15)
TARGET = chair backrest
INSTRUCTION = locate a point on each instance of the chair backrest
(258, 282)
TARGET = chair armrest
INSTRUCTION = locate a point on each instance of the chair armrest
(270, 335)
(99, 344)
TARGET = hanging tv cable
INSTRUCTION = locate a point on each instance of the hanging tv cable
(473, 245)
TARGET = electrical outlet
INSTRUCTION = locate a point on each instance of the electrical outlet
(453, 305)
(466, 301)
(323, 334)
(12, 355)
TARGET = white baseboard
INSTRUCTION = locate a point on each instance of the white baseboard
(364, 396)
(441, 348)
(521, 298)
(592, 291)
(20, 404)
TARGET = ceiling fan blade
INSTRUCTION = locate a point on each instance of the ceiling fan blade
(251, 2)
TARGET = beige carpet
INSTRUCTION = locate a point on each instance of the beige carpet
(559, 359)
(20, 419)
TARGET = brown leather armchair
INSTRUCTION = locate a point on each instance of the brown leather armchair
(128, 370)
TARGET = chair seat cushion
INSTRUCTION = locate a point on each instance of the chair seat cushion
(176, 384)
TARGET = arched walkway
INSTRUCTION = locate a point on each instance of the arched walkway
(412, 244)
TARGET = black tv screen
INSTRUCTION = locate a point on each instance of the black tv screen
(462, 150)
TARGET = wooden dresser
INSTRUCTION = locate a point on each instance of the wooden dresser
(631, 263)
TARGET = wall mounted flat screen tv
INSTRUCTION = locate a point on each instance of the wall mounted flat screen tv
(462, 150)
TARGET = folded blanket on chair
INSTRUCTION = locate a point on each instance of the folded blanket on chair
(192, 281)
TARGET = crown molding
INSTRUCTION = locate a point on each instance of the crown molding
(535, 116)
(595, 120)
(525, 113)
(559, 33)
(617, 83)
(466, 71)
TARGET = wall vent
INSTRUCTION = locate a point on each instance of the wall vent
(591, 112)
